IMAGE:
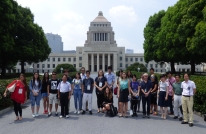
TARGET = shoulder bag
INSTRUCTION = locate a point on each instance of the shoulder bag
(12, 88)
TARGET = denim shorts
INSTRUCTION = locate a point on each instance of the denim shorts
(44, 95)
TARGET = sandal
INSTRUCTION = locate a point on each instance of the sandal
(120, 116)
(16, 119)
(20, 118)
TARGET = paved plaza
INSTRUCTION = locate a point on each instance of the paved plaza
(97, 123)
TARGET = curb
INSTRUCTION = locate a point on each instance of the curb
(11, 108)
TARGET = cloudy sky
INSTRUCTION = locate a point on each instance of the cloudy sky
(71, 18)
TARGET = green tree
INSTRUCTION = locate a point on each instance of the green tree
(135, 66)
(69, 67)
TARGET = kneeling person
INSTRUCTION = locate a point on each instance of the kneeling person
(108, 99)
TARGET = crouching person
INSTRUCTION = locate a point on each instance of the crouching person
(108, 100)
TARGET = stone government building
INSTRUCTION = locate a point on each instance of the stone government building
(99, 51)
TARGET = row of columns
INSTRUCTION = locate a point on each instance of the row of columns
(103, 60)
(100, 36)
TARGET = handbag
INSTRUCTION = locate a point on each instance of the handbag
(113, 111)
(12, 88)
(115, 90)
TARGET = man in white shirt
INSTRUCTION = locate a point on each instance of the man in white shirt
(189, 90)
(64, 94)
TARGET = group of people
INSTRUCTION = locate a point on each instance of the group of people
(169, 92)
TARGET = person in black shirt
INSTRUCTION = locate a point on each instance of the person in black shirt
(52, 93)
(108, 99)
(44, 93)
(152, 73)
(154, 95)
(100, 84)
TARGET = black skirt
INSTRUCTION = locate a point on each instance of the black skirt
(162, 102)
(124, 95)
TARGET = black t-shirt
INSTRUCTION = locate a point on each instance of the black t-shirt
(100, 82)
(87, 83)
(107, 100)
(44, 86)
(53, 86)
(153, 85)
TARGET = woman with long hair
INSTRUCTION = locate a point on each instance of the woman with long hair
(44, 93)
(123, 92)
(129, 75)
(100, 84)
(77, 91)
(118, 80)
(35, 87)
(19, 96)
(108, 99)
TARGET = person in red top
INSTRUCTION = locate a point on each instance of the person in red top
(19, 96)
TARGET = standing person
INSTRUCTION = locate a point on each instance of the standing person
(154, 95)
(140, 93)
(35, 87)
(110, 78)
(146, 88)
(117, 84)
(129, 75)
(163, 96)
(77, 91)
(108, 99)
(69, 79)
(189, 90)
(100, 84)
(177, 95)
(19, 96)
(135, 89)
(44, 93)
(171, 81)
(123, 92)
(152, 73)
(87, 88)
(52, 93)
(64, 94)
(83, 76)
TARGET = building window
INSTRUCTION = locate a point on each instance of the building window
(156, 66)
(37, 65)
(161, 66)
(126, 65)
(64, 59)
(74, 65)
(80, 58)
(43, 66)
(120, 58)
(59, 59)
(74, 59)
(80, 64)
(53, 65)
(53, 59)
(69, 59)
(141, 59)
(120, 64)
(80, 52)
(48, 59)
(136, 59)
(120, 52)
(151, 65)
(126, 59)
(131, 59)
(48, 65)
(146, 65)
(24, 64)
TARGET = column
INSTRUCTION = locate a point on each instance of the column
(99, 37)
(108, 60)
(97, 62)
(115, 62)
(103, 62)
(92, 63)
(103, 37)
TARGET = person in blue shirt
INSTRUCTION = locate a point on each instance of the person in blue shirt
(146, 88)
(110, 78)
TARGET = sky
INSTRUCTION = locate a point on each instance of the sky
(71, 18)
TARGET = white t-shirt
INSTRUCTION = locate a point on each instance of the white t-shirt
(77, 83)
(188, 88)
(163, 86)
(64, 87)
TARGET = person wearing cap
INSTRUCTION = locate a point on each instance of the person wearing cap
(170, 80)
(189, 90)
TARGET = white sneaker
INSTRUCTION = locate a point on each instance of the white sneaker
(67, 116)
(75, 111)
(33, 115)
(37, 115)
(78, 112)
(60, 116)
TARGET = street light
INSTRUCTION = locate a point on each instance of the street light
(138, 69)
(61, 69)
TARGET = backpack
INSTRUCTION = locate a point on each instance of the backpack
(113, 111)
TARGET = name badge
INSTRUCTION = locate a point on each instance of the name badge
(100, 84)
(88, 87)
(20, 91)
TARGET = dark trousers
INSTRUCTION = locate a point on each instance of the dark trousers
(134, 105)
(17, 108)
(139, 103)
(146, 100)
(170, 103)
(100, 99)
(64, 103)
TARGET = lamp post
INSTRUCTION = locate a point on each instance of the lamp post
(61, 69)
(138, 69)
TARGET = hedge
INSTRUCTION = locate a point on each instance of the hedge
(6, 101)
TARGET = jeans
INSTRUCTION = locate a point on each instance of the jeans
(146, 100)
(35, 99)
(78, 99)
(64, 103)
(170, 103)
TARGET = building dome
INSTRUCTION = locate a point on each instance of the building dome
(100, 18)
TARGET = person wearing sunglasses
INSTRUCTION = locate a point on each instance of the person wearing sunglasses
(52, 93)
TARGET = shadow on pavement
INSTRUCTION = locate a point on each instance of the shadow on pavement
(23, 120)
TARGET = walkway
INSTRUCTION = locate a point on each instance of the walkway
(95, 124)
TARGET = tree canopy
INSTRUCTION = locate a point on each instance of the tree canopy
(65, 66)
(135, 66)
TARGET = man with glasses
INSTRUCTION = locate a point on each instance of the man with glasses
(110, 78)
(52, 93)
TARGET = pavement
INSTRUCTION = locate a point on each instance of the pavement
(97, 123)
